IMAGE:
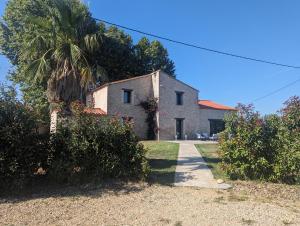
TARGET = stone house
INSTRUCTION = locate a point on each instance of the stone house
(180, 114)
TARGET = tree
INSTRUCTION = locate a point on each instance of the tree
(153, 56)
(47, 42)
(122, 59)
(32, 31)
(13, 28)
(116, 55)
(59, 52)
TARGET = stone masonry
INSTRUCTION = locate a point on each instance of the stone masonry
(110, 98)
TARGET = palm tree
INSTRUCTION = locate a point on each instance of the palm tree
(61, 52)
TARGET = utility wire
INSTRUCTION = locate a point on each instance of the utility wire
(277, 90)
(200, 47)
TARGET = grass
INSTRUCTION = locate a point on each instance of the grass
(210, 155)
(162, 158)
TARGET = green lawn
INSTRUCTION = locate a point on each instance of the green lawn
(210, 155)
(162, 158)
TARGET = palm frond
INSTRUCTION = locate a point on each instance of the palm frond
(101, 74)
(62, 15)
(61, 53)
(36, 46)
(91, 42)
(75, 53)
(86, 77)
(41, 23)
(39, 69)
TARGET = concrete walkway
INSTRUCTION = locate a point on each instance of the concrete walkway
(192, 170)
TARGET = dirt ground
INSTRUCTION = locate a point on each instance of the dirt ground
(143, 204)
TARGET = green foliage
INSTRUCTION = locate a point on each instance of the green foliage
(287, 166)
(64, 35)
(264, 148)
(65, 47)
(13, 30)
(22, 149)
(152, 56)
(150, 106)
(85, 147)
(96, 147)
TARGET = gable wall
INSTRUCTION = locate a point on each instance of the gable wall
(141, 90)
(100, 98)
(168, 110)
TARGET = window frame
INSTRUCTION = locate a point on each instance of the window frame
(180, 95)
(130, 92)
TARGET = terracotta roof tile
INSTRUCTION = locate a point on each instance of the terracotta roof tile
(95, 111)
(207, 104)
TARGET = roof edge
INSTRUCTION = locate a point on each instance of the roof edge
(119, 81)
(208, 104)
(177, 80)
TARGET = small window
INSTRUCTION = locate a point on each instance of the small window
(179, 98)
(127, 96)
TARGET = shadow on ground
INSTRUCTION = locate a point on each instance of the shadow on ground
(162, 171)
(92, 190)
(212, 160)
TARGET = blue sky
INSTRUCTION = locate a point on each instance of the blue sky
(266, 29)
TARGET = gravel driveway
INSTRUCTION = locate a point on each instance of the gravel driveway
(141, 204)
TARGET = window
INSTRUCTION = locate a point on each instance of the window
(179, 98)
(127, 96)
(216, 126)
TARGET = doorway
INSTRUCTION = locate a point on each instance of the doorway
(179, 128)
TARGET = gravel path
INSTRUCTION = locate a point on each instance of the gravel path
(141, 204)
(192, 170)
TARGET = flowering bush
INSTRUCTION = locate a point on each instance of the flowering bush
(150, 106)
(265, 148)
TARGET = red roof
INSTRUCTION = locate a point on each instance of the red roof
(207, 104)
(95, 111)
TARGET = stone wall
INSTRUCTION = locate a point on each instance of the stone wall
(169, 111)
(141, 90)
(164, 87)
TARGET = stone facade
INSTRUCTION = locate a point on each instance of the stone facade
(169, 111)
(160, 85)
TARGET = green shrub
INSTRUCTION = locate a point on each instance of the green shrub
(263, 148)
(22, 149)
(84, 146)
(287, 166)
(95, 147)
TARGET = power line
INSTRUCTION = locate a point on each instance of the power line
(277, 90)
(200, 47)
